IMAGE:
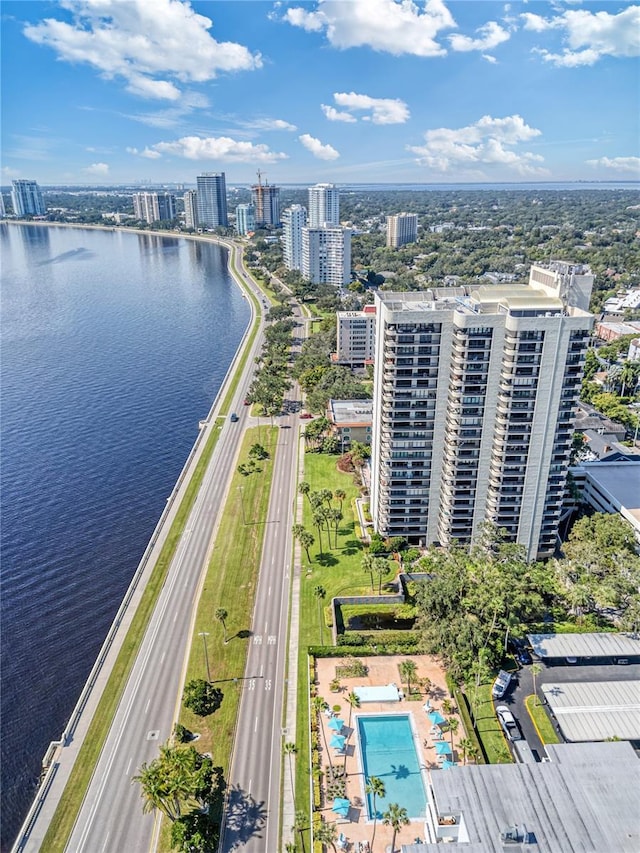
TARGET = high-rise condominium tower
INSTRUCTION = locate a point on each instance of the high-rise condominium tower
(154, 207)
(324, 205)
(266, 200)
(190, 199)
(326, 255)
(245, 219)
(26, 199)
(402, 228)
(212, 200)
(294, 219)
(474, 399)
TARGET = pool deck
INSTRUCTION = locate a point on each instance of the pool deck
(382, 671)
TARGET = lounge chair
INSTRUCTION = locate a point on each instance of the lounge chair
(342, 841)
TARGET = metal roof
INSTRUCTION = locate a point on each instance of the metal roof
(585, 800)
(612, 644)
(596, 710)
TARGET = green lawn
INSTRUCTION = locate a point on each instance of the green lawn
(541, 721)
(487, 725)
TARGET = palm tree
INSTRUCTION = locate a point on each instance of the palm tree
(380, 567)
(367, 566)
(396, 817)
(320, 594)
(327, 833)
(303, 536)
(340, 495)
(318, 705)
(408, 670)
(304, 488)
(336, 516)
(299, 822)
(375, 788)
(290, 749)
(454, 724)
(221, 615)
(536, 669)
(318, 523)
(354, 702)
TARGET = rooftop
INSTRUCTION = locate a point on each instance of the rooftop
(611, 644)
(351, 412)
(620, 481)
(596, 710)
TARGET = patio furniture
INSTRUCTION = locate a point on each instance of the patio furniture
(342, 841)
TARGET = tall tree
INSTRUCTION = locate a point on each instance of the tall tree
(408, 670)
(327, 833)
(396, 817)
(374, 788)
(221, 615)
(454, 724)
(367, 566)
(318, 706)
(353, 701)
(290, 749)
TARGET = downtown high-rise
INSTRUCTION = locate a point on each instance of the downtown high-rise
(475, 394)
(26, 198)
(324, 205)
(294, 219)
(212, 200)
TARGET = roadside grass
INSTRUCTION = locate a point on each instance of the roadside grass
(230, 584)
(61, 825)
(487, 725)
(338, 571)
(541, 721)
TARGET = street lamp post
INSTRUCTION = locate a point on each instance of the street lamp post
(204, 635)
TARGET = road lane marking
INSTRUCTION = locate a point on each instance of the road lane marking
(267, 684)
(126, 772)
(261, 670)
(257, 640)
(255, 728)
(104, 846)
(271, 640)
(269, 593)
(252, 684)
(164, 654)
(146, 707)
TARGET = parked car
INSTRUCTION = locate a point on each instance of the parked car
(520, 652)
(501, 684)
(508, 723)
(246, 401)
(305, 416)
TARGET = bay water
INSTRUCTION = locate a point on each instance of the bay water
(113, 347)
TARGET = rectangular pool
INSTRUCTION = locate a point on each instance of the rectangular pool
(388, 751)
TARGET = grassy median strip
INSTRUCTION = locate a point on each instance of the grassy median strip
(231, 581)
(64, 818)
(487, 725)
(541, 721)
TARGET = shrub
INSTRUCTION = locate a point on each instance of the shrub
(202, 697)
(182, 734)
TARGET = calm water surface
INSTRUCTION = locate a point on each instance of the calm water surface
(114, 345)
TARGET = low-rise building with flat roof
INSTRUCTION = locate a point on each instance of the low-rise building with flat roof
(611, 487)
(595, 710)
(351, 421)
(604, 645)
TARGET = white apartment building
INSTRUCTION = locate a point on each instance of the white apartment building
(356, 337)
(245, 219)
(326, 255)
(190, 199)
(294, 219)
(154, 207)
(324, 205)
(475, 394)
(402, 228)
(26, 198)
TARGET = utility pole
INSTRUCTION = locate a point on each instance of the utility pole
(204, 635)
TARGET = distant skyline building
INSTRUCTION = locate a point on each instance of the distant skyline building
(190, 199)
(266, 201)
(154, 207)
(26, 198)
(326, 255)
(212, 200)
(402, 228)
(475, 394)
(3, 212)
(294, 219)
(245, 219)
(324, 205)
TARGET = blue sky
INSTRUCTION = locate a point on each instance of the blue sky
(114, 91)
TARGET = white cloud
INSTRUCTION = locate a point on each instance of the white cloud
(489, 36)
(10, 173)
(149, 153)
(589, 35)
(322, 152)
(383, 110)
(489, 58)
(384, 25)
(97, 169)
(142, 42)
(618, 164)
(270, 124)
(335, 115)
(217, 148)
(490, 141)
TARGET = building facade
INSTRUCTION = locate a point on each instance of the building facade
(350, 421)
(356, 337)
(326, 255)
(212, 200)
(475, 397)
(266, 202)
(402, 228)
(324, 205)
(154, 207)
(26, 199)
(245, 219)
(190, 199)
(294, 219)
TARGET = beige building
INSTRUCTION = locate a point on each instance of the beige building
(356, 337)
(402, 228)
(475, 395)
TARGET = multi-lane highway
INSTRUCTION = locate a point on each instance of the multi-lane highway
(111, 817)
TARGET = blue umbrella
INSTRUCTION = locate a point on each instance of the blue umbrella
(446, 764)
(436, 718)
(337, 742)
(336, 724)
(341, 806)
(443, 748)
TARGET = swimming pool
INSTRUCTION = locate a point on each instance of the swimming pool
(387, 751)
